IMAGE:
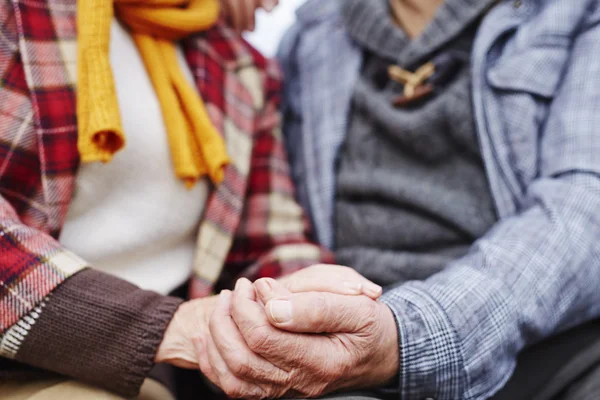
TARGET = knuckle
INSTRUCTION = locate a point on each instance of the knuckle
(321, 302)
(239, 365)
(258, 339)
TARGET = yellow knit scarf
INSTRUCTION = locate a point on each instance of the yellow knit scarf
(197, 149)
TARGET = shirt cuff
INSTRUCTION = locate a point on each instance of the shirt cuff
(431, 362)
(95, 328)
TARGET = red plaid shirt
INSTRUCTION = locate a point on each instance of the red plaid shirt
(252, 225)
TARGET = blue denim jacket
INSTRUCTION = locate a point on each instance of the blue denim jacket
(536, 94)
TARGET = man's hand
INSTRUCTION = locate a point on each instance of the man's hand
(240, 13)
(190, 320)
(251, 353)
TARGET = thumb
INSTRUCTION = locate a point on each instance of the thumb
(268, 288)
(319, 312)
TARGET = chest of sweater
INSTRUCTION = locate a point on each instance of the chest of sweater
(411, 186)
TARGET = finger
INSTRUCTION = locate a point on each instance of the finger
(234, 8)
(230, 384)
(267, 289)
(243, 19)
(203, 361)
(222, 375)
(331, 278)
(240, 360)
(228, 11)
(251, 6)
(329, 284)
(283, 349)
(318, 312)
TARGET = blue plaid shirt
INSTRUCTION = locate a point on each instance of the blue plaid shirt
(536, 94)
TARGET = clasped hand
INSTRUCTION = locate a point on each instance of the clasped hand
(311, 334)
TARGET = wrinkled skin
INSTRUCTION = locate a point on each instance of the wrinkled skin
(192, 318)
(327, 342)
(240, 13)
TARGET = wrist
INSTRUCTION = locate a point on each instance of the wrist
(390, 349)
(190, 320)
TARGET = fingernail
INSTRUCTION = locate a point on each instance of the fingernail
(373, 290)
(353, 287)
(239, 285)
(224, 295)
(281, 311)
(268, 282)
(262, 286)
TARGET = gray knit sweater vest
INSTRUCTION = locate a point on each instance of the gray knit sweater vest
(412, 193)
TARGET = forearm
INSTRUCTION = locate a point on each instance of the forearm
(95, 328)
(531, 276)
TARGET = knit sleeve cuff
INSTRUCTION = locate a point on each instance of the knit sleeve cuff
(95, 328)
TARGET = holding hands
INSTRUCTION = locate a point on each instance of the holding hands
(315, 332)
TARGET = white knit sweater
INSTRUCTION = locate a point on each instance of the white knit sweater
(132, 217)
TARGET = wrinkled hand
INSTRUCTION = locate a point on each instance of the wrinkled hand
(240, 13)
(192, 317)
(189, 321)
(258, 352)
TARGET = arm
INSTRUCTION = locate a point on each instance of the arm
(60, 316)
(97, 329)
(532, 275)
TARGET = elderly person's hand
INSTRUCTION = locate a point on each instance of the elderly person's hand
(240, 13)
(297, 345)
(191, 319)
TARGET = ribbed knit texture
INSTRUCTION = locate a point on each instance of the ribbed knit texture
(101, 330)
(197, 149)
(412, 193)
(372, 20)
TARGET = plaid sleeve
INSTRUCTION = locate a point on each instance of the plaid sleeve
(273, 237)
(32, 264)
(533, 275)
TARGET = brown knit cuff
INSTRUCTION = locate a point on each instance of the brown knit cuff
(99, 329)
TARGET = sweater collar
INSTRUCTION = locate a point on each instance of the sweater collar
(371, 24)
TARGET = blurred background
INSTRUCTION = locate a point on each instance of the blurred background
(270, 27)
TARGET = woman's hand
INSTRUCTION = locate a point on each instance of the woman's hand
(240, 13)
(189, 321)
